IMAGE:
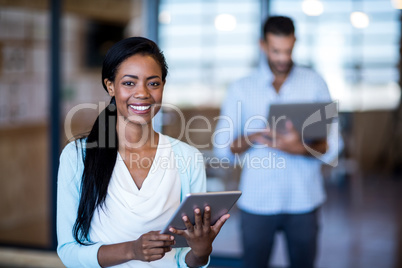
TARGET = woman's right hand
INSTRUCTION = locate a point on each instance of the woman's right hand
(148, 247)
(152, 246)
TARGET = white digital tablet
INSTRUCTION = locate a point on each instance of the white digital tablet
(311, 120)
(219, 202)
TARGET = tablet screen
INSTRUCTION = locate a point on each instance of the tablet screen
(219, 202)
(311, 120)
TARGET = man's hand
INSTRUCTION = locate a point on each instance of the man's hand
(289, 141)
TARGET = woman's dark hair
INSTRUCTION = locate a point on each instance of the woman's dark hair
(101, 144)
(278, 25)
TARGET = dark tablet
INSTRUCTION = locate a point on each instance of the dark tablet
(219, 202)
(311, 120)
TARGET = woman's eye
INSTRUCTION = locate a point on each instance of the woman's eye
(154, 84)
(128, 83)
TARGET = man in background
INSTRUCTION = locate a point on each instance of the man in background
(285, 195)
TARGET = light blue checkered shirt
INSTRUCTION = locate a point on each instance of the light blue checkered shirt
(273, 181)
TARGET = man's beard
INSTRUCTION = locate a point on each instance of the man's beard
(283, 69)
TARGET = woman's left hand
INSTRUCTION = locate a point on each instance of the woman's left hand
(201, 235)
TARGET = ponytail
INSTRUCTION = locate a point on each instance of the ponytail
(99, 160)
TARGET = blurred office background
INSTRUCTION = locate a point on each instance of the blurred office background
(50, 57)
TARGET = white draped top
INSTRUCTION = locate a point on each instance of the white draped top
(129, 212)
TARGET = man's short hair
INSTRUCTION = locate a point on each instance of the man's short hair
(278, 25)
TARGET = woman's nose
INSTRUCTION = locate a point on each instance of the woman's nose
(142, 92)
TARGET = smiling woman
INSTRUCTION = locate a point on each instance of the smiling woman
(113, 198)
(138, 89)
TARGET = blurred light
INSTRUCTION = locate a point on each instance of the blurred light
(225, 22)
(377, 97)
(359, 19)
(164, 17)
(312, 7)
(397, 4)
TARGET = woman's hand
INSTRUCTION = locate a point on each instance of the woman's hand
(148, 247)
(152, 246)
(201, 235)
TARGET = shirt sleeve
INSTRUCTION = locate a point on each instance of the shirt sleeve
(71, 253)
(196, 175)
(229, 125)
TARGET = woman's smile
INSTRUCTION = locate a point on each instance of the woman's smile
(140, 108)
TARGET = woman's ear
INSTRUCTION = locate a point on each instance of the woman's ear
(110, 87)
